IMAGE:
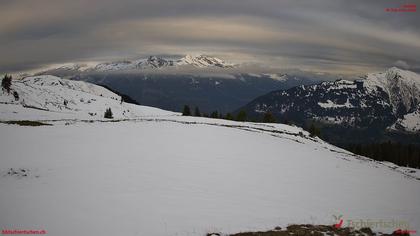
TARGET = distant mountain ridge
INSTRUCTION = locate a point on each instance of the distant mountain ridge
(151, 62)
(378, 102)
(174, 81)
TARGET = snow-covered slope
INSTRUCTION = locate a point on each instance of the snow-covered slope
(51, 98)
(190, 176)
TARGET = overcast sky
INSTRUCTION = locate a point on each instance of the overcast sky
(343, 36)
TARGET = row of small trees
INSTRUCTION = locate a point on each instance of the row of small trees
(400, 154)
(240, 116)
(268, 117)
(314, 131)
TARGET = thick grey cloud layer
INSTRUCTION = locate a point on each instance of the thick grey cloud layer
(323, 35)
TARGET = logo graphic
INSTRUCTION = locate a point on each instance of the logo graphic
(404, 232)
(339, 221)
(402, 8)
(402, 226)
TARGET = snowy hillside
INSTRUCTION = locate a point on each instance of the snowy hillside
(49, 97)
(190, 176)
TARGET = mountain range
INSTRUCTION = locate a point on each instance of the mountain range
(170, 83)
(381, 106)
(151, 62)
(377, 106)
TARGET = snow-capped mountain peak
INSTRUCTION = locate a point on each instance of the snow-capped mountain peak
(112, 66)
(391, 77)
(157, 62)
(151, 62)
(203, 61)
(70, 66)
(402, 87)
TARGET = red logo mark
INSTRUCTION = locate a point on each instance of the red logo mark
(340, 221)
(400, 231)
(339, 224)
(403, 8)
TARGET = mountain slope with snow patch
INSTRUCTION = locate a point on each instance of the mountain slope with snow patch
(381, 101)
(402, 87)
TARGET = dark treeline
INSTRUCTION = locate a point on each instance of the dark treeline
(266, 117)
(397, 153)
(241, 116)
